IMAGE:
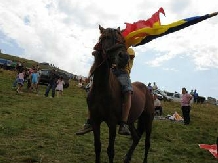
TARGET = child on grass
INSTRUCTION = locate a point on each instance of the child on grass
(34, 80)
(60, 86)
(20, 80)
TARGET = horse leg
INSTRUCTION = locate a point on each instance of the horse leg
(97, 141)
(135, 137)
(110, 149)
(148, 129)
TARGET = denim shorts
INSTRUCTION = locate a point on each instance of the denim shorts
(125, 82)
(20, 81)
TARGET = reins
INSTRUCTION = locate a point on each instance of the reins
(92, 73)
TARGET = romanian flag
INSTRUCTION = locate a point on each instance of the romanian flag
(146, 34)
(132, 32)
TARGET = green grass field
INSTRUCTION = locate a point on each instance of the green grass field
(39, 129)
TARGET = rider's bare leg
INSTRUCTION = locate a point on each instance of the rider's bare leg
(124, 130)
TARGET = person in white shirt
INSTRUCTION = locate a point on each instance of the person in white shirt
(60, 86)
(155, 86)
(157, 105)
(20, 80)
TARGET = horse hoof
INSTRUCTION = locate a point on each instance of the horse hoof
(145, 161)
(126, 159)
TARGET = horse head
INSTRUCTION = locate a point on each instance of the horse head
(112, 45)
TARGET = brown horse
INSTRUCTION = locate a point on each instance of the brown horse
(105, 98)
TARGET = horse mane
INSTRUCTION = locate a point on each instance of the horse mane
(96, 62)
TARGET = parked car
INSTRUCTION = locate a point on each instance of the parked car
(45, 77)
(5, 64)
(201, 99)
(211, 100)
(175, 97)
(159, 95)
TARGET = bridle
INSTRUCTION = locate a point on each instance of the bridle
(117, 43)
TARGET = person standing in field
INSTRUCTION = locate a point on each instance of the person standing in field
(34, 80)
(150, 88)
(60, 86)
(195, 96)
(20, 80)
(52, 83)
(185, 106)
(155, 87)
(157, 106)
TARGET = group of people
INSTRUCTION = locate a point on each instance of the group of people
(185, 106)
(195, 95)
(32, 75)
(152, 88)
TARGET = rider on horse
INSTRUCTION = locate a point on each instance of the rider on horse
(106, 102)
(123, 76)
(122, 72)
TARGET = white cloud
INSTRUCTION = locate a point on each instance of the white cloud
(160, 59)
(63, 32)
(170, 69)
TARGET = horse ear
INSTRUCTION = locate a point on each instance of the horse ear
(101, 28)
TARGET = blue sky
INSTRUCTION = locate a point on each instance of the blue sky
(64, 32)
(9, 46)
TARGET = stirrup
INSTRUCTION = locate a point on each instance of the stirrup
(86, 129)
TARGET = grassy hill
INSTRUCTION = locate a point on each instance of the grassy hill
(39, 129)
(26, 62)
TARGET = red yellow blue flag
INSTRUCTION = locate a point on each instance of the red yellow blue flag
(133, 33)
(143, 35)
